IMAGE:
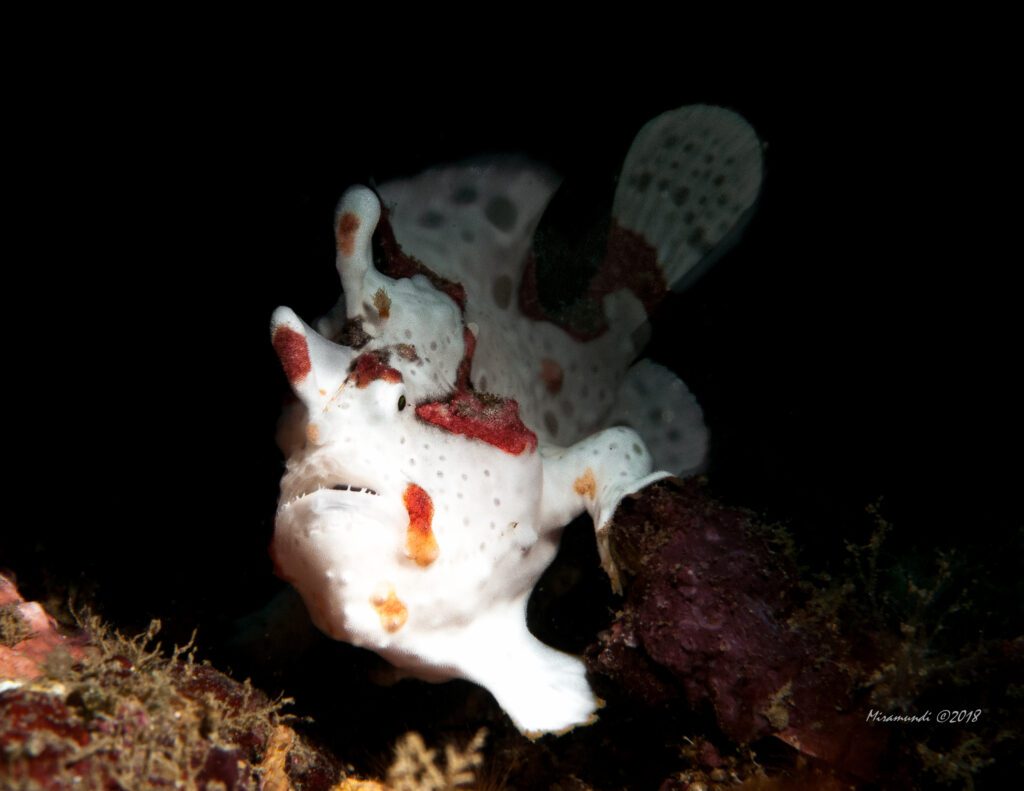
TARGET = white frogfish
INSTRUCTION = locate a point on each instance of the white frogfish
(448, 430)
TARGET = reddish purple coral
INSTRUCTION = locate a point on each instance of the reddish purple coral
(29, 636)
(708, 617)
(98, 710)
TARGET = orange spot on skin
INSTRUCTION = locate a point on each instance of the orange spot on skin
(294, 353)
(585, 485)
(312, 433)
(420, 543)
(551, 375)
(382, 302)
(397, 264)
(393, 613)
(347, 227)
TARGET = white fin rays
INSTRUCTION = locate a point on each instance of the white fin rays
(688, 186)
(657, 404)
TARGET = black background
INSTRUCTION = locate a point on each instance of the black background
(862, 342)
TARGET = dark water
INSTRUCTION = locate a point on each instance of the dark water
(860, 343)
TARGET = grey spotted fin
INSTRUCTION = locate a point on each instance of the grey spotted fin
(660, 408)
(689, 185)
(686, 192)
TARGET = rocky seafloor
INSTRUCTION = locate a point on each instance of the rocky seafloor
(723, 665)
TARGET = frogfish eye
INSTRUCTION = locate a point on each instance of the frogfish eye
(401, 403)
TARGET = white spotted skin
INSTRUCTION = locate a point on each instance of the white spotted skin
(497, 516)
(345, 551)
(340, 547)
(488, 261)
(465, 612)
(688, 187)
(359, 436)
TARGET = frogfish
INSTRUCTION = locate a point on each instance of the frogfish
(448, 428)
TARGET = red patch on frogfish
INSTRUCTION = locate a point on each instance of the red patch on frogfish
(630, 261)
(370, 367)
(462, 374)
(551, 374)
(347, 227)
(490, 418)
(420, 543)
(592, 326)
(294, 353)
(397, 264)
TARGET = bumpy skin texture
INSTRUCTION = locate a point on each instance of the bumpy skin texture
(479, 430)
(418, 514)
(686, 191)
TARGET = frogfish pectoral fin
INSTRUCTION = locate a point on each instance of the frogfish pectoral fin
(543, 690)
